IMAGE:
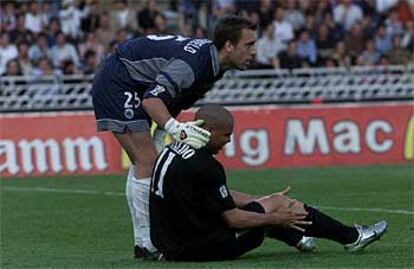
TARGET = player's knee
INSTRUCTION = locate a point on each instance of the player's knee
(280, 200)
(145, 157)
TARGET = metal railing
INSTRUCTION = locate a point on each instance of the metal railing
(299, 86)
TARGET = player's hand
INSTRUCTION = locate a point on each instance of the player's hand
(188, 132)
(291, 217)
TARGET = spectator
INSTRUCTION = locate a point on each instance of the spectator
(160, 24)
(383, 6)
(23, 7)
(407, 40)
(336, 30)
(404, 11)
(123, 17)
(40, 49)
(268, 47)
(384, 62)
(111, 48)
(90, 23)
(254, 17)
(68, 67)
(289, 58)
(369, 56)
(104, 33)
(44, 68)
(368, 27)
(304, 5)
(185, 29)
(294, 15)
(21, 34)
(324, 43)
(347, 14)
(399, 55)
(48, 11)
(306, 48)
(35, 21)
(146, 17)
(8, 17)
(311, 25)
(393, 25)
(354, 41)
(369, 8)
(7, 51)
(265, 13)
(63, 51)
(70, 18)
(91, 44)
(321, 8)
(52, 30)
(222, 7)
(283, 28)
(13, 68)
(90, 62)
(23, 58)
(330, 63)
(121, 36)
(340, 56)
(200, 32)
(383, 41)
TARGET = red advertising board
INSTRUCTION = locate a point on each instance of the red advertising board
(264, 136)
(55, 143)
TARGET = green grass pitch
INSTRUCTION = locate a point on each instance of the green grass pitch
(83, 222)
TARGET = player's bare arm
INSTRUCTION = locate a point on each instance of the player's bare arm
(242, 199)
(237, 218)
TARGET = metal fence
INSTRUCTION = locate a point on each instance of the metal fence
(300, 86)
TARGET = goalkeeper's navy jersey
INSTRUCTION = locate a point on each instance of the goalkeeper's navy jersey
(176, 69)
(188, 196)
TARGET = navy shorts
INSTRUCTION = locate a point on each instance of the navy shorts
(116, 99)
(224, 245)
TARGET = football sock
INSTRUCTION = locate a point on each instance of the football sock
(141, 202)
(129, 191)
(289, 236)
(324, 226)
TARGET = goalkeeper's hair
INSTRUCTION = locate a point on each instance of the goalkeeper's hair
(229, 28)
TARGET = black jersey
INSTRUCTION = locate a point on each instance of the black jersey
(188, 196)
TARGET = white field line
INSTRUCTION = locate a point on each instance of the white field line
(382, 210)
(110, 193)
(70, 191)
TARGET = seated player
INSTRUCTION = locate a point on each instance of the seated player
(194, 216)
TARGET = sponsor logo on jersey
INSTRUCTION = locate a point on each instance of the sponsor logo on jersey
(157, 90)
(223, 191)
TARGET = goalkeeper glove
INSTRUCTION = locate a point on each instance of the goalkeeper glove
(188, 132)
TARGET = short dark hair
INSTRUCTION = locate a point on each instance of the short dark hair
(229, 28)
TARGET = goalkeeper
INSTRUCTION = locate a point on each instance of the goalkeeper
(155, 78)
(195, 217)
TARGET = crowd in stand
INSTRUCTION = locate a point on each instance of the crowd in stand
(72, 37)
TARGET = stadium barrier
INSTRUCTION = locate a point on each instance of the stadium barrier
(61, 143)
(250, 87)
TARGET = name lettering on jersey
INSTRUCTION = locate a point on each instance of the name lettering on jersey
(157, 90)
(182, 149)
(194, 45)
(223, 192)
